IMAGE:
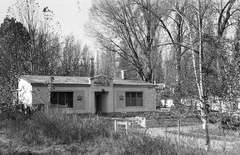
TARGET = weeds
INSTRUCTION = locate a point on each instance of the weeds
(73, 134)
(58, 127)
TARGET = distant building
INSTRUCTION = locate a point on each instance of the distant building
(164, 95)
(216, 103)
(88, 94)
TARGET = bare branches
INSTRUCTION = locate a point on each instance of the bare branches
(225, 15)
(131, 32)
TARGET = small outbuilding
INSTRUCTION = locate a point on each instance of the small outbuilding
(88, 94)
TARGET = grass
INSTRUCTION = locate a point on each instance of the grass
(58, 133)
(58, 127)
(214, 132)
(172, 122)
(201, 135)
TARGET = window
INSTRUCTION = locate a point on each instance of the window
(62, 98)
(134, 99)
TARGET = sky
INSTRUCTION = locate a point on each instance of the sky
(66, 12)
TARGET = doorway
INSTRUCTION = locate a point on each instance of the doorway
(100, 102)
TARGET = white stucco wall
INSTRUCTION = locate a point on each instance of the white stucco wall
(41, 95)
(25, 92)
(105, 102)
(149, 99)
(107, 96)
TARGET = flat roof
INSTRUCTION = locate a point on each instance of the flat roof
(39, 79)
(132, 82)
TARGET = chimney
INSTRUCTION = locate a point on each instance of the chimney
(123, 74)
(92, 67)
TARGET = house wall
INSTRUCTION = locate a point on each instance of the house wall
(149, 99)
(111, 102)
(107, 96)
(42, 95)
(105, 103)
(25, 92)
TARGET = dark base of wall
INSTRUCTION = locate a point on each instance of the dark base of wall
(123, 114)
(116, 114)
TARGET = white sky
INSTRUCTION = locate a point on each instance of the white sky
(66, 12)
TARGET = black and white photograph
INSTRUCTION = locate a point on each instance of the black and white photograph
(119, 77)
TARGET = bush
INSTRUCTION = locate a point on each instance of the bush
(230, 122)
(226, 121)
(214, 117)
(9, 111)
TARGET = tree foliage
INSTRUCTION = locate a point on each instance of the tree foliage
(31, 43)
(14, 42)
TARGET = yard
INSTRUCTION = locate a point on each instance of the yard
(192, 134)
(62, 134)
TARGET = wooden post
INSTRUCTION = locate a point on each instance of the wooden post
(115, 125)
(126, 123)
(132, 122)
(179, 131)
(144, 124)
(166, 131)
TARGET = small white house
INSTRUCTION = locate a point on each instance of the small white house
(88, 94)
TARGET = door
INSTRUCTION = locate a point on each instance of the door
(98, 103)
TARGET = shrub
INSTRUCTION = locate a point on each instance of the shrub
(214, 117)
(9, 111)
(230, 122)
(225, 121)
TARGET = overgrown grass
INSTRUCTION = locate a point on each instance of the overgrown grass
(136, 144)
(59, 128)
(73, 134)
(173, 122)
(214, 131)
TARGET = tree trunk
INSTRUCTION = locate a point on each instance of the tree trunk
(204, 107)
(178, 51)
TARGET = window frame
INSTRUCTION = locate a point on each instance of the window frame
(65, 98)
(133, 100)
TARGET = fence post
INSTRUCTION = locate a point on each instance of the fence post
(179, 131)
(144, 122)
(132, 122)
(166, 131)
(115, 125)
(126, 123)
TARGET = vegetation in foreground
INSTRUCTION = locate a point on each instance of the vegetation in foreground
(58, 133)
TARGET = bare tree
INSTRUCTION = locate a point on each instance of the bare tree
(44, 41)
(225, 12)
(75, 59)
(129, 30)
(195, 23)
